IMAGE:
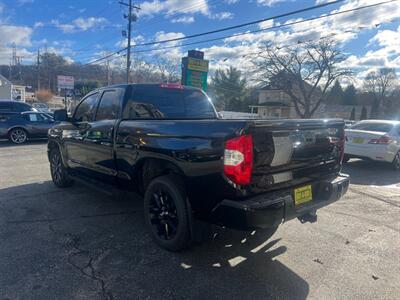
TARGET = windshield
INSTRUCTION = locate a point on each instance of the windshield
(378, 127)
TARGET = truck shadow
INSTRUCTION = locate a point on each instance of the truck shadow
(368, 172)
(6, 143)
(84, 234)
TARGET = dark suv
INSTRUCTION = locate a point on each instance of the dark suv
(10, 106)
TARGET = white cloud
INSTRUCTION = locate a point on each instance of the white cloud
(269, 2)
(85, 24)
(184, 19)
(150, 8)
(161, 35)
(135, 40)
(10, 34)
(38, 24)
(231, 1)
(387, 38)
(81, 24)
(221, 15)
(385, 52)
(266, 24)
(22, 2)
(322, 1)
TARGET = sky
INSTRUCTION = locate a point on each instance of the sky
(84, 30)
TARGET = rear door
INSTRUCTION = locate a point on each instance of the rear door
(98, 142)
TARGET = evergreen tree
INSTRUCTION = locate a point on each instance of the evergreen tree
(350, 95)
(229, 90)
(353, 114)
(335, 95)
(363, 115)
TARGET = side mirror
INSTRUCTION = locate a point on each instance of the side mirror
(60, 115)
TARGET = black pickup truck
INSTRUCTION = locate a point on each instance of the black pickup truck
(168, 143)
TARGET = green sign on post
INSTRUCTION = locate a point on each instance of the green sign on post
(195, 70)
(196, 79)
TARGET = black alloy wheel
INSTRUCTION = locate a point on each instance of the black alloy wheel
(59, 174)
(18, 136)
(166, 214)
(163, 214)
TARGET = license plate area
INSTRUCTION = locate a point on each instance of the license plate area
(303, 194)
(358, 140)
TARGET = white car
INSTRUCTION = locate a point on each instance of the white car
(374, 139)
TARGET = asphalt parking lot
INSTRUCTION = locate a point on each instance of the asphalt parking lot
(79, 244)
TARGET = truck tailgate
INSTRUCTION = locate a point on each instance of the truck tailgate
(291, 152)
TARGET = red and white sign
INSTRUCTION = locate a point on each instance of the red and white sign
(65, 82)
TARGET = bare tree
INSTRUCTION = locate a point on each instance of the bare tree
(168, 69)
(304, 72)
(380, 84)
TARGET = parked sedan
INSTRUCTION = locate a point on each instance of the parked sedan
(18, 128)
(374, 139)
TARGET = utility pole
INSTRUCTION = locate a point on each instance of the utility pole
(108, 72)
(38, 70)
(16, 62)
(131, 17)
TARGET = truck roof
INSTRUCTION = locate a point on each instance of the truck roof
(152, 85)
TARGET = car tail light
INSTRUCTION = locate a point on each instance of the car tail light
(238, 159)
(383, 140)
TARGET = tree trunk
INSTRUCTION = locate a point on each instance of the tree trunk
(374, 109)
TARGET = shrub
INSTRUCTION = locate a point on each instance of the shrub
(44, 95)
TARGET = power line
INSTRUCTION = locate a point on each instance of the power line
(175, 13)
(265, 29)
(259, 30)
(180, 12)
(241, 25)
(228, 28)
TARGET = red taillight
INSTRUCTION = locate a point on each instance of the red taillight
(383, 140)
(238, 159)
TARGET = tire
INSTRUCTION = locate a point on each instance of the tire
(396, 162)
(18, 135)
(166, 213)
(59, 173)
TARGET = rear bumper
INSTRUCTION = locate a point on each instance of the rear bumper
(270, 209)
(374, 152)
